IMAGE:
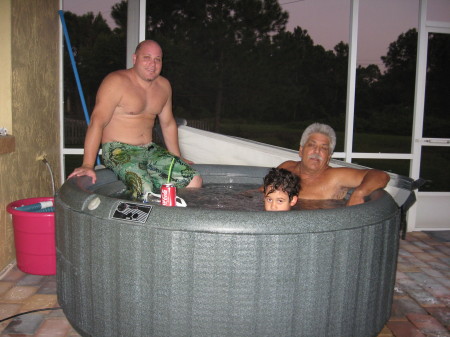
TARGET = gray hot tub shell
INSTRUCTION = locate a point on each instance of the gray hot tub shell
(197, 272)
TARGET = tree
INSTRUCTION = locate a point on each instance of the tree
(217, 38)
(400, 63)
(384, 102)
(97, 51)
(365, 100)
(389, 98)
(119, 14)
(303, 83)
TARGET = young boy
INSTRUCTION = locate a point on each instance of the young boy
(281, 189)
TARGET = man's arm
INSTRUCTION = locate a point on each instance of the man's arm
(105, 104)
(364, 182)
(169, 126)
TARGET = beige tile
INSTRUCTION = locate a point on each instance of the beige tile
(5, 286)
(54, 327)
(19, 293)
(9, 309)
(40, 301)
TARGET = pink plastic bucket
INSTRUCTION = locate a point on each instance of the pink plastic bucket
(34, 238)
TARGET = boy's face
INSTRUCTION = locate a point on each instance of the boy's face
(278, 201)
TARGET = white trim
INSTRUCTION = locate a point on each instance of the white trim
(351, 81)
(61, 100)
(433, 194)
(73, 151)
(132, 30)
(437, 27)
(432, 229)
(419, 102)
(372, 155)
(434, 141)
(135, 27)
(431, 25)
(77, 151)
(439, 30)
(380, 155)
(142, 22)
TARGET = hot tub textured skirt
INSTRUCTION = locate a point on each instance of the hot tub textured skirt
(192, 272)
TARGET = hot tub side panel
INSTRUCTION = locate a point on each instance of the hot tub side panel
(156, 279)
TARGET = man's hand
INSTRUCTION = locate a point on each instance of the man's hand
(187, 161)
(84, 171)
(356, 198)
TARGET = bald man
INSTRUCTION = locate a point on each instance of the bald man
(127, 104)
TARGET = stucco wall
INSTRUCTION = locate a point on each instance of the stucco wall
(33, 43)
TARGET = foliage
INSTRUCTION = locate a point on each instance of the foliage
(385, 102)
(214, 49)
(97, 51)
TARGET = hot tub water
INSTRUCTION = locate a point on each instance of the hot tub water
(235, 197)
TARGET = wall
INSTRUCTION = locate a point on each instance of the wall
(5, 62)
(29, 83)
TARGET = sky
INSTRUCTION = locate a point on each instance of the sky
(83, 6)
(327, 21)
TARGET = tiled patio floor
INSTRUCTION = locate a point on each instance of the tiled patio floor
(421, 305)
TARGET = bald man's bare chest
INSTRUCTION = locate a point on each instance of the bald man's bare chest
(136, 101)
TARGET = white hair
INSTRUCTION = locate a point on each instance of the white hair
(319, 128)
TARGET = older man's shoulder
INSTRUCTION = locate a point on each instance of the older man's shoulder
(346, 173)
(342, 170)
(289, 165)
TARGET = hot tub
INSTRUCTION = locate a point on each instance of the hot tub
(131, 269)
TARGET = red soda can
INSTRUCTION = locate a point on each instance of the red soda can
(168, 195)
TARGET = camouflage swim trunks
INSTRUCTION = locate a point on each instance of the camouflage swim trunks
(144, 168)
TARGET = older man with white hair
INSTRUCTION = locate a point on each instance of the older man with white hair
(319, 181)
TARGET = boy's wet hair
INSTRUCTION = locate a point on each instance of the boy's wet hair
(281, 179)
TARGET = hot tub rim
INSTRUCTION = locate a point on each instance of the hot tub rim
(381, 207)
